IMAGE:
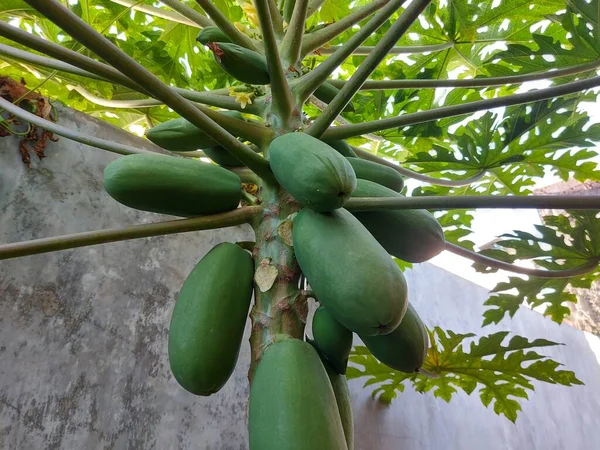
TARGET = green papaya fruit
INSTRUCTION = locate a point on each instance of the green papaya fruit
(343, 147)
(244, 65)
(222, 157)
(350, 273)
(405, 348)
(326, 93)
(209, 318)
(413, 235)
(292, 404)
(315, 174)
(180, 135)
(169, 185)
(369, 170)
(331, 339)
(339, 383)
(212, 34)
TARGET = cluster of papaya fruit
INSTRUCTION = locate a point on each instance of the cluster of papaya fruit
(299, 393)
(344, 256)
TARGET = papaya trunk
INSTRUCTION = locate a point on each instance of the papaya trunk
(281, 308)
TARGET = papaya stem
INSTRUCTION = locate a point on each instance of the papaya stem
(79, 64)
(104, 48)
(313, 41)
(292, 41)
(568, 202)
(400, 50)
(249, 198)
(245, 174)
(304, 86)
(381, 85)
(366, 68)
(277, 19)
(256, 133)
(208, 98)
(313, 7)
(69, 56)
(278, 311)
(93, 141)
(188, 12)
(283, 104)
(156, 12)
(587, 267)
(288, 9)
(37, 60)
(45, 245)
(416, 175)
(346, 131)
(226, 26)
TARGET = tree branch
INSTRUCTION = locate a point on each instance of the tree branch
(189, 13)
(254, 132)
(568, 202)
(416, 175)
(37, 60)
(402, 50)
(313, 7)
(366, 68)
(226, 26)
(588, 267)
(347, 131)
(69, 56)
(156, 12)
(281, 96)
(376, 85)
(68, 133)
(276, 18)
(292, 41)
(86, 35)
(45, 245)
(83, 65)
(304, 86)
(313, 41)
(219, 101)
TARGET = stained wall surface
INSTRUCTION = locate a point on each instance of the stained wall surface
(83, 335)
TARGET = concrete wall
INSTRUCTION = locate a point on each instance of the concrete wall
(83, 336)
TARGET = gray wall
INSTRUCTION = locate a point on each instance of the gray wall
(83, 336)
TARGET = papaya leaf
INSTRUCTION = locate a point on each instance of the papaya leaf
(501, 370)
(563, 242)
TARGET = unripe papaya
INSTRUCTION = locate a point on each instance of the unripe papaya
(222, 157)
(350, 273)
(405, 348)
(326, 93)
(244, 65)
(180, 135)
(212, 34)
(343, 147)
(369, 170)
(292, 403)
(339, 383)
(209, 318)
(169, 185)
(413, 235)
(332, 340)
(315, 174)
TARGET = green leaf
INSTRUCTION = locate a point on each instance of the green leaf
(500, 373)
(564, 242)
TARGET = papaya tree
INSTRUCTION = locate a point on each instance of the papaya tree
(303, 119)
